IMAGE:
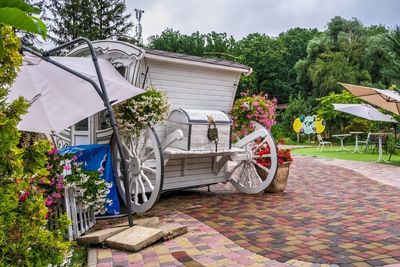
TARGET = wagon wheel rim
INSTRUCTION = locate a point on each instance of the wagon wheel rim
(145, 165)
(244, 175)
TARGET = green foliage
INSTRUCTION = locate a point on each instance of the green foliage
(393, 69)
(34, 158)
(336, 120)
(24, 238)
(93, 19)
(16, 13)
(10, 155)
(211, 45)
(331, 67)
(359, 125)
(346, 52)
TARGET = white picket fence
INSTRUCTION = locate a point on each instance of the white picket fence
(82, 218)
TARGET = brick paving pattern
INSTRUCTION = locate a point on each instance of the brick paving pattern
(201, 246)
(327, 215)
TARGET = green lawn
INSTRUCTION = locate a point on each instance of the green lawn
(346, 155)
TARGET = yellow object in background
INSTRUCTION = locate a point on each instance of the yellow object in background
(320, 125)
(297, 124)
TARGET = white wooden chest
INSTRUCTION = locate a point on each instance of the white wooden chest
(195, 124)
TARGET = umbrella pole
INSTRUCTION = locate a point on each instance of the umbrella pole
(104, 96)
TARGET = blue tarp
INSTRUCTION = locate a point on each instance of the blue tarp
(97, 158)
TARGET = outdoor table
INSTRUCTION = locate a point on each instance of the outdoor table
(356, 150)
(380, 157)
(341, 137)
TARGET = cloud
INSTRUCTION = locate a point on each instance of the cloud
(239, 18)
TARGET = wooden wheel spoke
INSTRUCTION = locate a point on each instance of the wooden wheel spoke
(136, 193)
(148, 156)
(241, 175)
(256, 175)
(148, 169)
(132, 183)
(144, 197)
(262, 156)
(255, 149)
(237, 166)
(147, 180)
(260, 166)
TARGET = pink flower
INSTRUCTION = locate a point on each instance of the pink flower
(23, 196)
(56, 195)
(49, 201)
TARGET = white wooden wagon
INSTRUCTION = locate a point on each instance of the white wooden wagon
(178, 154)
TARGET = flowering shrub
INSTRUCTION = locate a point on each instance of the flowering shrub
(92, 186)
(284, 155)
(250, 109)
(134, 114)
(24, 238)
(65, 170)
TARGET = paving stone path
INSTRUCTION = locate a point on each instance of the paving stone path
(329, 214)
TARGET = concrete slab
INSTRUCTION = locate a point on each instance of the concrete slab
(146, 222)
(135, 238)
(171, 230)
(100, 236)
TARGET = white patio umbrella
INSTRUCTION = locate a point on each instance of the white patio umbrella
(364, 111)
(386, 99)
(60, 99)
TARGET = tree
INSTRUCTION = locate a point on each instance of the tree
(331, 68)
(93, 19)
(393, 69)
(346, 52)
(174, 41)
(336, 120)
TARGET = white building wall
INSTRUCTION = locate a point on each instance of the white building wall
(192, 86)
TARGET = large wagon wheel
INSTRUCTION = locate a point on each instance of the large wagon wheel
(145, 167)
(243, 173)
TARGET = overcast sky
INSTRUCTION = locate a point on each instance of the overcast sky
(240, 17)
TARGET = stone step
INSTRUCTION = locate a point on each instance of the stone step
(100, 236)
(146, 222)
(170, 230)
(135, 238)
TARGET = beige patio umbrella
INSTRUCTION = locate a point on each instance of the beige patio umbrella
(386, 99)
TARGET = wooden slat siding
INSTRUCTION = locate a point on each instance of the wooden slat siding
(205, 79)
(199, 171)
(159, 67)
(193, 183)
(181, 80)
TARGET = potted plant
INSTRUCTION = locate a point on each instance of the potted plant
(280, 180)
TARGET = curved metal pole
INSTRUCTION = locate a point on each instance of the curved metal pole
(104, 96)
